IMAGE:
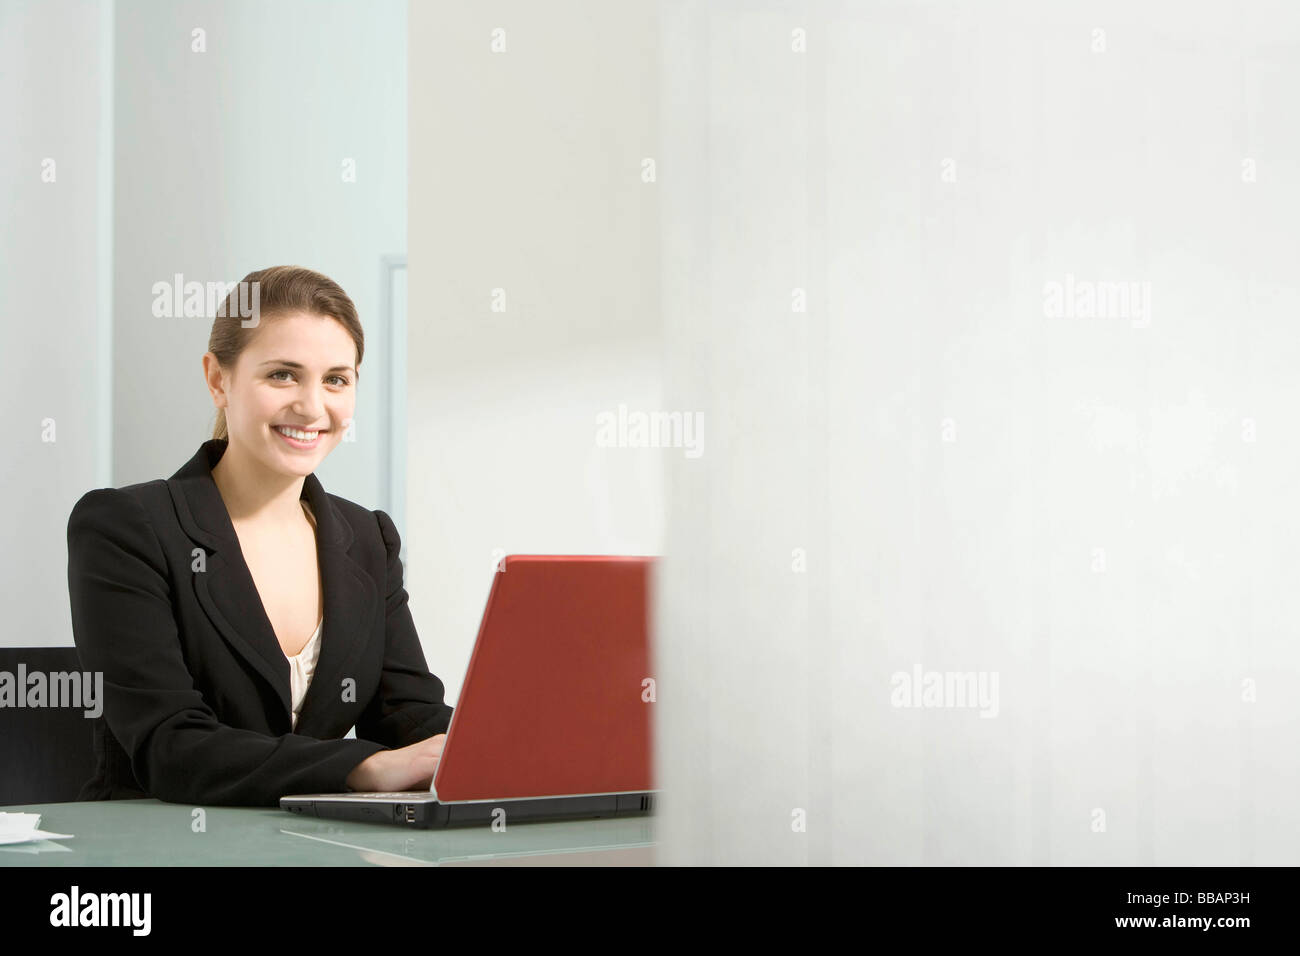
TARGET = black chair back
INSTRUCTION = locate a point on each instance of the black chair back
(46, 753)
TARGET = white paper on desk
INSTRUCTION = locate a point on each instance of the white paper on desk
(39, 846)
(8, 839)
(24, 828)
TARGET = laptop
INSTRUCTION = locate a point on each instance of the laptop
(554, 718)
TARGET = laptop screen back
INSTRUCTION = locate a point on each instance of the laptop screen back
(554, 699)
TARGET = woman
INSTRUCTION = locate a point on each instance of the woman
(244, 619)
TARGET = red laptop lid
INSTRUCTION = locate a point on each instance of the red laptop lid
(553, 700)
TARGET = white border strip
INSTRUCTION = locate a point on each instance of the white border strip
(105, 143)
(395, 453)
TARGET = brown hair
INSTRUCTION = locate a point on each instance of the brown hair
(281, 290)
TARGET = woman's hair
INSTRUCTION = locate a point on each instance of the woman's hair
(281, 290)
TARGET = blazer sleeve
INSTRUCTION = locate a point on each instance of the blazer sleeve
(408, 706)
(125, 628)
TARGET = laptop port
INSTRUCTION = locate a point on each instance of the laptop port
(410, 814)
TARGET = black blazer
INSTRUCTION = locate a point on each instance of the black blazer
(196, 687)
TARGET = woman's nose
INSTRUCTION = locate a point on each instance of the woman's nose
(309, 404)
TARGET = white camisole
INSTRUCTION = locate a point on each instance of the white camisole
(303, 664)
(301, 667)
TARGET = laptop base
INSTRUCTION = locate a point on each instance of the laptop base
(428, 814)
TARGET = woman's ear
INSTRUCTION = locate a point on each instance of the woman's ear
(214, 376)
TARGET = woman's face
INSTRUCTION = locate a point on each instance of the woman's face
(298, 372)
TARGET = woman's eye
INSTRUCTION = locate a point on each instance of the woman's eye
(340, 379)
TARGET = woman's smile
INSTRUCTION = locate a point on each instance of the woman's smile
(298, 438)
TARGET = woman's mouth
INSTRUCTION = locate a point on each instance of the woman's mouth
(298, 437)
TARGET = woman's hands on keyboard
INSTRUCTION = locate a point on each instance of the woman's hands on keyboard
(407, 768)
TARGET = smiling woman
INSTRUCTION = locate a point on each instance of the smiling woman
(284, 291)
(243, 618)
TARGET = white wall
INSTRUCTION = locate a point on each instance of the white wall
(55, 58)
(526, 177)
(1097, 510)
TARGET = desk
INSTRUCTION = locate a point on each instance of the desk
(153, 833)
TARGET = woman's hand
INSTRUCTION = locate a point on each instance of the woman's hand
(407, 768)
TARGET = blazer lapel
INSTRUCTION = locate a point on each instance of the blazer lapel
(351, 599)
(229, 597)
